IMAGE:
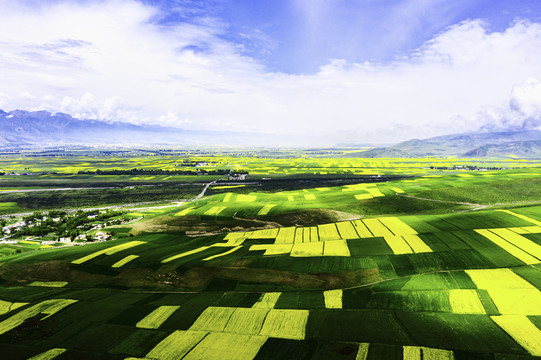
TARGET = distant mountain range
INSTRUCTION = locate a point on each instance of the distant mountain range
(523, 144)
(21, 128)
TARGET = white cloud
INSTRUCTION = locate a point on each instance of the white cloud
(89, 107)
(26, 96)
(172, 119)
(521, 112)
(526, 100)
(110, 60)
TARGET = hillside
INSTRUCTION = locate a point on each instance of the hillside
(522, 149)
(225, 277)
(518, 143)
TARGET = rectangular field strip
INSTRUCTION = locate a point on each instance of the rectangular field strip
(176, 345)
(328, 232)
(335, 248)
(267, 300)
(416, 243)
(511, 294)
(108, 251)
(397, 226)
(191, 252)
(376, 227)
(333, 299)
(185, 211)
(522, 330)
(49, 354)
(47, 307)
(225, 346)
(273, 249)
(157, 317)
(215, 210)
(285, 235)
(262, 234)
(398, 245)
(6, 306)
(347, 230)
(55, 284)
(299, 235)
(362, 229)
(213, 319)
(265, 209)
(363, 196)
(523, 217)
(519, 241)
(509, 247)
(247, 321)
(465, 301)
(285, 324)
(246, 198)
(124, 261)
(222, 254)
(307, 249)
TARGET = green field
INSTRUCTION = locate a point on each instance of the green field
(310, 257)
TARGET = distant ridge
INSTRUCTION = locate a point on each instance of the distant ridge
(21, 128)
(522, 149)
(523, 144)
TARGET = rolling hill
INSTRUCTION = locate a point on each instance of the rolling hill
(496, 144)
(523, 149)
(459, 286)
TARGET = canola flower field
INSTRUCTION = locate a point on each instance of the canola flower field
(435, 264)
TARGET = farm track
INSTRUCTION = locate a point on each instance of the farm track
(258, 221)
(206, 188)
(443, 201)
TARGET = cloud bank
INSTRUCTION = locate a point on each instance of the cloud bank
(112, 60)
(522, 112)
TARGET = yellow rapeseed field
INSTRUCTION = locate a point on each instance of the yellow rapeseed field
(157, 317)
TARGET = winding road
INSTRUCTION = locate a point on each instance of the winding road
(207, 186)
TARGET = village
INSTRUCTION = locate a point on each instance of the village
(59, 228)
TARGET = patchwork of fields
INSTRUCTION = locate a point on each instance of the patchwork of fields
(435, 270)
(288, 162)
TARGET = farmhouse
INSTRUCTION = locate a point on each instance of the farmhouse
(237, 177)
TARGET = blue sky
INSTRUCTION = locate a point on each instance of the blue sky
(320, 71)
(298, 36)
